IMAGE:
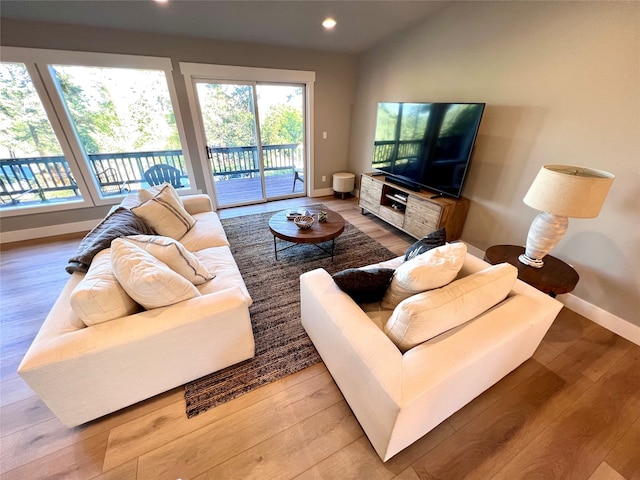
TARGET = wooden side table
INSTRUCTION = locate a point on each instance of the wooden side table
(554, 278)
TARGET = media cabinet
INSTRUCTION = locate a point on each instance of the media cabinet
(416, 213)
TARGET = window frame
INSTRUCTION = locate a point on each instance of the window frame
(39, 64)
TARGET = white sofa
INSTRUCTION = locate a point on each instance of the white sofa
(85, 373)
(398, 398)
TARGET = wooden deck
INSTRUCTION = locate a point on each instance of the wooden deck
(244, 190)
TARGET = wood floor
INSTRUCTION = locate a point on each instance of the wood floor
(570, 412)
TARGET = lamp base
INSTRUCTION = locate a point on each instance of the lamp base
(545, 232)
(532, 262)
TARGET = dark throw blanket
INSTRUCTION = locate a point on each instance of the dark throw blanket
(121, 222)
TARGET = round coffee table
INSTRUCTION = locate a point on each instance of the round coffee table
(319, 232)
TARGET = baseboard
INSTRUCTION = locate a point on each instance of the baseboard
(50, 231)
(322, 192)
(605, 319)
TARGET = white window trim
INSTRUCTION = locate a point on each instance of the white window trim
(194, 72)
(39, 60)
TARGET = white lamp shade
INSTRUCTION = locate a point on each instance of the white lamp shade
(569, 191)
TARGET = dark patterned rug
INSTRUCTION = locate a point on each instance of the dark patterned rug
(282, 345)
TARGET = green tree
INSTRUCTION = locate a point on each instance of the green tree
(283, 125)
(24, 127)
(228, 115)
(93, 112)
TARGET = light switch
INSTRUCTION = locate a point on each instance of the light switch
(324, 135)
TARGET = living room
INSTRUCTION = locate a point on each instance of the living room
(560, 81)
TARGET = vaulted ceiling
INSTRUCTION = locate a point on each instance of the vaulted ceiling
(296, 23)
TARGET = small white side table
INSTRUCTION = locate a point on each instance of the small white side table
(343, 182)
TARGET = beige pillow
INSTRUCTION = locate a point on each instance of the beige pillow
(432, 269)
(166, 214)
(146, 194)
(146, 279)
(173, 253)
(99, 297)
(428, 314)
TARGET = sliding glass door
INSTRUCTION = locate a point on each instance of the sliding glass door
(230, 128)
(281, 110)
(254, 135)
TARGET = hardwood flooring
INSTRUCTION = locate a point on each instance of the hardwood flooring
(570, 412)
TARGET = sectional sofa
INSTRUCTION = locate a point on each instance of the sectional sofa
(84, 365)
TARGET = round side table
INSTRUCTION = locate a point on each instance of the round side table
(555, 276)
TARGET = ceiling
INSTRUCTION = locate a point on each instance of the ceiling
(294, 23)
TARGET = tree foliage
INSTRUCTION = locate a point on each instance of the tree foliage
(24, 127)
(228, 115)
(227, 112)
(120, 110)
(93, 113)
(283, 125)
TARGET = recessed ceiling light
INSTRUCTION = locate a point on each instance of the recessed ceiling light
(161, 1)
(329, 23)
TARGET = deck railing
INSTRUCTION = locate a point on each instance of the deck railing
(50, 177)
(384, 151)
(243, 161)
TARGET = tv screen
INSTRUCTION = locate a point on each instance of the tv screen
(426, 145)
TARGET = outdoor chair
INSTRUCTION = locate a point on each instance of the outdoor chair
(298, 175)
(161, 173)
(111, 182)
(12, 196)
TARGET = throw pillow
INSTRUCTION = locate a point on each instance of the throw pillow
(99, 297)
(166, 214)
(146, 194)
(146, 279)
(433, 240)
(173, 253)
(432, 269)
(424, 316)
(364, 286)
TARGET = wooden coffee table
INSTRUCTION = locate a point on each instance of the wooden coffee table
(319, 232)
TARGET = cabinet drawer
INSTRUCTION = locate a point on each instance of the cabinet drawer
(370, 194)
(391, 216)
(422, 217)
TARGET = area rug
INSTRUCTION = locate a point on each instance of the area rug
(282, 345)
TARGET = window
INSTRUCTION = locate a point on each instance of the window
(33, 168)
(117, 115)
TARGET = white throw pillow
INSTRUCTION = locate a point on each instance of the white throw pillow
(165, 213)
(146, 194)
(432, 269)
(146, 279)
(99, 297)
(428, 314)
(173, 253)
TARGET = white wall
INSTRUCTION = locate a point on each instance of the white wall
(561, 81)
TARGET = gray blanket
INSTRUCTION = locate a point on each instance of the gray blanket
(120, 223)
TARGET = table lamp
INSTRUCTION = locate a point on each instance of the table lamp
(561, 191)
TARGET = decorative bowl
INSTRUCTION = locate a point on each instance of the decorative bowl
(303, 222)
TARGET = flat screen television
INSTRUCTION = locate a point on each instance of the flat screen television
(426, 145)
